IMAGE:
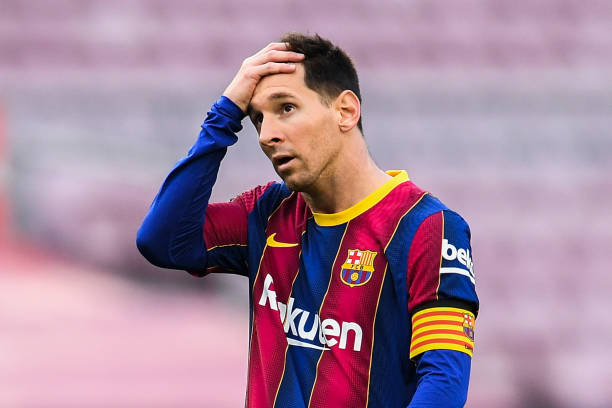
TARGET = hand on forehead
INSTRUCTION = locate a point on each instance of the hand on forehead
(275, 58)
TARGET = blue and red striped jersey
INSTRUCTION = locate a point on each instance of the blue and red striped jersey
(362, 308)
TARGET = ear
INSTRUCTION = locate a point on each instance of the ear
(348, 110)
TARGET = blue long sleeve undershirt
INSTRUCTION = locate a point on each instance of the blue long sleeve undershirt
(171, 236)
(443, 379)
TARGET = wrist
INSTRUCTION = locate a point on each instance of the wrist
(226, 106)
(236, 100)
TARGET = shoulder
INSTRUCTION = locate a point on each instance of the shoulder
(443, 229)
(417, 208)
(264, 198)
(454, 226)
(425, 207)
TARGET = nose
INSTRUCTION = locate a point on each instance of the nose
(269, 132)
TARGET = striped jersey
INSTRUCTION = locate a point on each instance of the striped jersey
(347, 309)
(333, 296)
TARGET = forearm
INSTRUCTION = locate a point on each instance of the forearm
(443, 380)
(171, 234)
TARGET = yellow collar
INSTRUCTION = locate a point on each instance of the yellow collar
(328, 220)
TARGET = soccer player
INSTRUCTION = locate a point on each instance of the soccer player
(361, 284)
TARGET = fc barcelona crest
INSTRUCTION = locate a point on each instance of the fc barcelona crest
(468, 325)
(358, 267)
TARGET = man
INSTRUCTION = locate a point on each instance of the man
(361, 284)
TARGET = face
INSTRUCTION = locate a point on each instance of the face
(297, 130)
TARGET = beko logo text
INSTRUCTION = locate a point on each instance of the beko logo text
(450, 253)
(325, 332)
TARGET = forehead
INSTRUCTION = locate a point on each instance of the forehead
(271, 86)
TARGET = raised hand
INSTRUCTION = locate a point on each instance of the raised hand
(275, 58)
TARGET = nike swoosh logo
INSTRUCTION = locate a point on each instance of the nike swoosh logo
(274, 243)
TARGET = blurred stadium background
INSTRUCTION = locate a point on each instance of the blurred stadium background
(503, 109)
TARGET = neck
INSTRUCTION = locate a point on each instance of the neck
(344, 184)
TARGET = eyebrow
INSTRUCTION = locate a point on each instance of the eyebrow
(273, 97)
(279, 95)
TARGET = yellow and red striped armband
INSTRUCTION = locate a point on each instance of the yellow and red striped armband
(442, 328)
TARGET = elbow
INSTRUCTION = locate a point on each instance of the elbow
(156, 246)
(151, 246)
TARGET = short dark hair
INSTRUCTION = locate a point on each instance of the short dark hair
(328, 70)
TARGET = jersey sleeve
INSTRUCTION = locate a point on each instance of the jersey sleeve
(441, 286)
(172, 233)
(226, 233)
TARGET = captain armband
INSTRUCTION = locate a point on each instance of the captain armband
(442, 328)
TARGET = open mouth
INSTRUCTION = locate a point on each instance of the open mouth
(281, 161)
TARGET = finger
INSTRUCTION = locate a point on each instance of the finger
(284, 56)
(277, 56)
(271, 68)
(281, 46)
(272, 46)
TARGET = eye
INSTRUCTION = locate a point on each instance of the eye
(287, 107)
(258, 119)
